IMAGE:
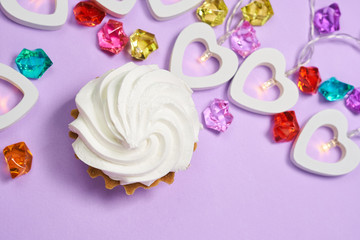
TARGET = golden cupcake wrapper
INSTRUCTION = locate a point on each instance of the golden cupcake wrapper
(110, 183)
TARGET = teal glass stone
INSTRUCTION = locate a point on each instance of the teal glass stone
(334, 90)
(33, 64)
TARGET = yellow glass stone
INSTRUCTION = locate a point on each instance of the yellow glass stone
(258, 12)
(142, 44)
(212, 12)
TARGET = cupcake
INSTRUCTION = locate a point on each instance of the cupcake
(135, 126)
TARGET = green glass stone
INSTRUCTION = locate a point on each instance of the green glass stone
(334, 90)
(33, 64)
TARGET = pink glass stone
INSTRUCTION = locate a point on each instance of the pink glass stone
(112, 37)
(217, 115)
(327, 20)
(353, 101)
(243, 40)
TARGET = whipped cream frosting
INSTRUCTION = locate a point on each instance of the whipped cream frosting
(136, 124)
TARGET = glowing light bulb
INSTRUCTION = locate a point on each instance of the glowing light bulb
(207, 54)
(37, 3)
(268, 84)
(327, 146)
(334, 142)
(4, 104)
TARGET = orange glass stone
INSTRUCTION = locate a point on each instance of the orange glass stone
(309, 79)
(18, 158)
(286, 127)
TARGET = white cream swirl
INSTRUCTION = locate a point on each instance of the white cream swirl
(136, 124)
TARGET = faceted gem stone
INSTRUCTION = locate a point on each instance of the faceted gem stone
(112, 37)
(18, 158)
(258, 12)
(142, 44)
(88, 14)
(33, 64)
(212, 12)
(243, 40)
(334, 90)
(217, 115)
(353, 101)
(309, 79)
(286, 126)
(327, 20)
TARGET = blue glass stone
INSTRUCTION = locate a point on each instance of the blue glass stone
(33, 64)
(334, 90)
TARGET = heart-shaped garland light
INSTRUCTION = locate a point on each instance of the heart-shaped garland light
(201, 32)
(273, 59)
(335, 120)
(14, 11)
(160, 11)
(116, 8)
(26, 87)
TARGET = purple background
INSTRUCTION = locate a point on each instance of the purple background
(240, 184)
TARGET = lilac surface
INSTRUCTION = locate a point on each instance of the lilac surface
(240, 184)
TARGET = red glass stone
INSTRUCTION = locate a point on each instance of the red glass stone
(88, 14)
(309, 79)
(286, 126)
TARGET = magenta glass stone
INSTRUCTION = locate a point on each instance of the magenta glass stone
(243, 40)
(112, 37)
(353, 101)
(217, 115)
(327, 20)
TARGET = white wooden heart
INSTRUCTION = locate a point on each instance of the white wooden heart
(116, 8)
(336, 121)
(160, 11)
(273, 59)
(202, 32)
(27, 102)
(14, 11)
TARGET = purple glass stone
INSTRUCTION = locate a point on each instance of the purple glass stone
(217, 115)
(353, 101)
(243, 40)
(326, 20)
